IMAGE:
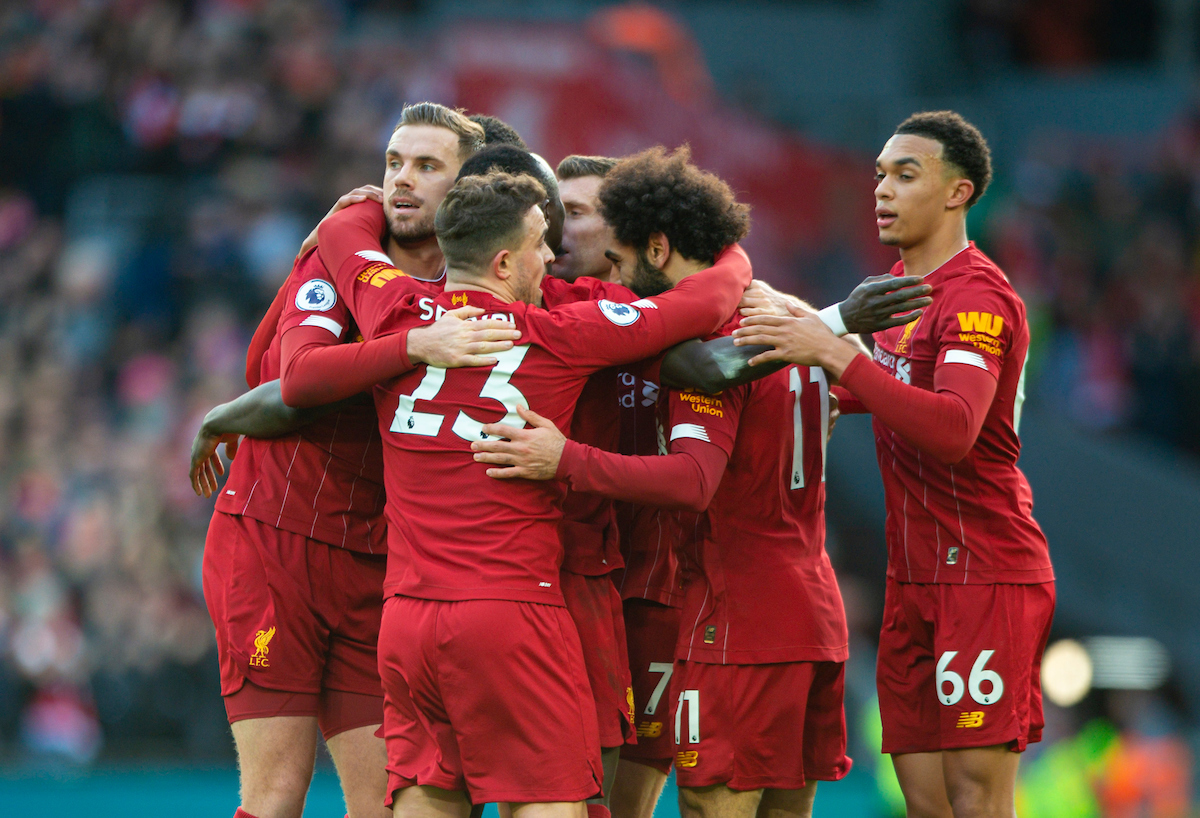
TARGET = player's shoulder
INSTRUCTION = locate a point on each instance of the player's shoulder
(980, 278)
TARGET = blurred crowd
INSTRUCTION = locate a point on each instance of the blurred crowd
(160, 163)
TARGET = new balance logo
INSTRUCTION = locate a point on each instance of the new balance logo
(687, 758)
(970, 719)
(649, 729)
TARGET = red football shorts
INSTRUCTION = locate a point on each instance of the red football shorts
(595, 607)
(752, 727)
(651, 633)
(296, 619)
(960, 665)
(487, 696)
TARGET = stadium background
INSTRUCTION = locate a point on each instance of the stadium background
(160, 163)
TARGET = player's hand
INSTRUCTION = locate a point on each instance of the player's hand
(882, 302)
(761, 298)
(453, 341)
(835, 412)
(529, 453)
(801, 341)
(206, 463)
(359, 194)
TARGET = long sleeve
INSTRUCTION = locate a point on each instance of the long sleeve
(263, 336)
(847, 403)
(944, 422)
(686, 479)
(317, 369)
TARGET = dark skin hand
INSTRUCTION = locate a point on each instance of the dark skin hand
(261, 413)
(885, 301)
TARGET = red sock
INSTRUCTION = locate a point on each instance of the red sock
(241, 813)
(598, 811)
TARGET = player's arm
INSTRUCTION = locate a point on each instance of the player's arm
(594, 334)
(263, 335)
(260, 412)
(945, 422)
(713, 366)
(316, 371)
(359, 194)
(686, 479)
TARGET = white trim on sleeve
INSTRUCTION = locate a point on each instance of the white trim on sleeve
(831, 317)
(691, 430)
(375, 255)
(325, 323)
(965, 356)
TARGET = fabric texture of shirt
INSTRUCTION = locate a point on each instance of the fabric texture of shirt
(970, 521)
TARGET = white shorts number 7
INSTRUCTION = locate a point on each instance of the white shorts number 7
(666, 669)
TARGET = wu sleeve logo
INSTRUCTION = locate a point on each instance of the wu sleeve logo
(620, 314)
(316, 295)
(981, 322)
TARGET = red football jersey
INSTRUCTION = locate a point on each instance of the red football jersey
(971, 522)
(649, 535)
(759, 586)
(350, 245)
(455, 533)
(589, 524)
(324, 481)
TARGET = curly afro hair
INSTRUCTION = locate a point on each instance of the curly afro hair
(963, 146)
(656, 192)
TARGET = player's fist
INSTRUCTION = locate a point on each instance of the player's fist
(882, 302)
(455, 340)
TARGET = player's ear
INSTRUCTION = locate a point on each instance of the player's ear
(502, 264)
(659, 250)
(961, 191)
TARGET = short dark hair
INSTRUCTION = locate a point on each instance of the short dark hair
(963, 146)
(576, 167)
(498, 132)
(482, 214)
(509, 159)
(653, 191)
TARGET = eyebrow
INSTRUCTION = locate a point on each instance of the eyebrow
(611, 256)
(396, 154)
(904, 160)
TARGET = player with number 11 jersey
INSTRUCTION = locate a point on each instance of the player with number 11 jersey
(756, 693)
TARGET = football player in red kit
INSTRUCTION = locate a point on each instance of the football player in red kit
(477, 654)
(294, 561)
(755, 674)
(970, 591)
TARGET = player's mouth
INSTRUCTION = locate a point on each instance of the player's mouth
(403, 204)
(884, 218)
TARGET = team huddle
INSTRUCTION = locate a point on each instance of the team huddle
(529, 507)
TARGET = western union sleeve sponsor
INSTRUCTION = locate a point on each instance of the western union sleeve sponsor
(981, 322)
(704, 404)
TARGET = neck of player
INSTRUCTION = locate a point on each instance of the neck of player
(421, 259)
(935, 249)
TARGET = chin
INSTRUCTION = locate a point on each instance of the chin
(889, 239)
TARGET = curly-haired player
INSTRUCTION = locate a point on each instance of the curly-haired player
(970, 590)
(663, 209)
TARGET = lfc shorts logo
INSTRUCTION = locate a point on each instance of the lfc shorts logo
(687, 758)
(629, 702)
(262, 641)
(970, 719)
(649, 729)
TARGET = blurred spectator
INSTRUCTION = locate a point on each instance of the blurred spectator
(161, 162)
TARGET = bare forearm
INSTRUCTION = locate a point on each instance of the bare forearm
(713, 366)
(260, 412)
